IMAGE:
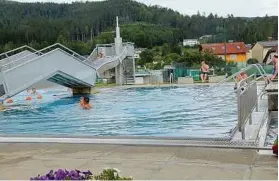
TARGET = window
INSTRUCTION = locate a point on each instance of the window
(233, 57)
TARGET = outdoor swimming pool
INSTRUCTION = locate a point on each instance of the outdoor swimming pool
(167, 112)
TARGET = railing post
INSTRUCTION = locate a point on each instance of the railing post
(238, 94)
(250, 119)
(243, 132)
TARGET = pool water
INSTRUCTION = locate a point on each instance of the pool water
(189, 111)
(272, 132)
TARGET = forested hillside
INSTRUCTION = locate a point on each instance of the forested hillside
(80, 25)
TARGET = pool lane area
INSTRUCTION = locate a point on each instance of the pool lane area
(176, 112)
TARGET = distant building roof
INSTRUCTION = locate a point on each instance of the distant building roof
(140, 49)
(268, 43)
(249, 46)
(231, 48)
(205, 36)
(272, 50)
(190, 39)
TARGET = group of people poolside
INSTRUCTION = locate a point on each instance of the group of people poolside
(242, 75)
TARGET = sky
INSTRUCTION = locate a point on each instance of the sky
(243, 8)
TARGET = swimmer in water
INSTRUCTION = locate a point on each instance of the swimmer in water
(81, 101)
(86, 104)
(33, 91)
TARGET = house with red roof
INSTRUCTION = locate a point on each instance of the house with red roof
(231, 52)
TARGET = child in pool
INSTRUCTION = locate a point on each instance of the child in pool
(81, 101)
(86, 104)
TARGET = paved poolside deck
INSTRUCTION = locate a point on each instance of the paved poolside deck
(23, 160)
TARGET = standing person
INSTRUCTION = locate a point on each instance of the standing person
(275, 146)
(275, 67)
(204, 71)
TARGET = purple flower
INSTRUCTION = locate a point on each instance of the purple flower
(43, 178)
(87, 173)
(73, 173)
(61, 174)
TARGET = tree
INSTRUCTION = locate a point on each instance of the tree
(170, 58)
(252, 61)
(146, 26)
(147, 56)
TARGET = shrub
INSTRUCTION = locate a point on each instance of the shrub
(107, 174)
(252, 61)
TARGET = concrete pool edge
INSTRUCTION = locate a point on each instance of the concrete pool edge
(240, 144)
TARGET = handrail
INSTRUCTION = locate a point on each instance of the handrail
(247, 101)
(102, 45)
(40, 52)
(258, 67)
(11, 51)
(244, 69)
(92, 54)
(120, 58)
(34, 58)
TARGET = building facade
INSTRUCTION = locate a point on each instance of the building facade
(231, 52)
(190, 42)
(261, 48)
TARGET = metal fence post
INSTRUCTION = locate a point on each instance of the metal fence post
(243, 132)
(238, 94)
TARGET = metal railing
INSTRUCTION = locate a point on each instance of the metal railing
(14, 51)
(247, 102)
(43, 51)
(211, 88)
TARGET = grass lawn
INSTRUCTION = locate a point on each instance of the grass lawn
(103, 85)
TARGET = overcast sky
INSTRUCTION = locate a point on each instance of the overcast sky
(246, 8)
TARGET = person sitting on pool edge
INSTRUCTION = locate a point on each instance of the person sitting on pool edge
(86, 104)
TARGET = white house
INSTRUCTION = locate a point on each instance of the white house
(190, 42)
(138, 52)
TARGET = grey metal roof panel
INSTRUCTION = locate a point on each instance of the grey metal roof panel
(268, 43)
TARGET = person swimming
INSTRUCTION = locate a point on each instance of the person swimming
(86, 104)
(33, 92)
(81, 101)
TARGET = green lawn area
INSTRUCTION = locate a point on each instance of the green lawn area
(102, 85)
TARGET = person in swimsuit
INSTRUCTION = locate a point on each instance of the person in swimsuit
(240, 77)
(275, 67)
(204, 71)
(81, 101)
(86, 104)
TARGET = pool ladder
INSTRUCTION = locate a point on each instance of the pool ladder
(171, 79)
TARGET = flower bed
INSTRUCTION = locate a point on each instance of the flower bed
(107, 174)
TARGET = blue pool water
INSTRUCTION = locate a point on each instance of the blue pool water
(272, 132)
(171, 112)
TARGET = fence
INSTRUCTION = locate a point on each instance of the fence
(254, 70)
(247, 101)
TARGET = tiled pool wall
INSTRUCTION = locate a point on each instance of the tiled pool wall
(272, 131)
